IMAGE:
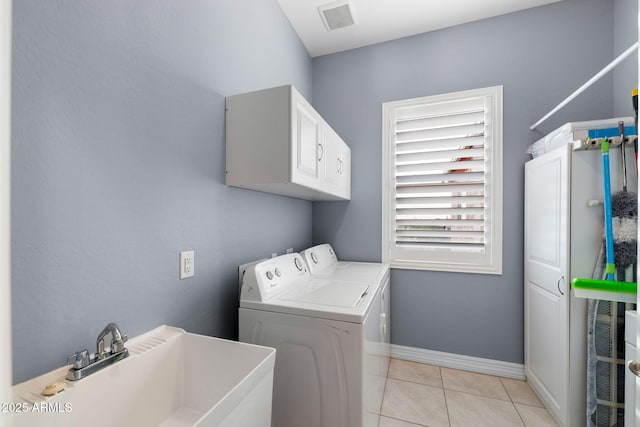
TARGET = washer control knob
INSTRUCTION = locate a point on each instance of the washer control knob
(314, 257)
(277, 271)
(298, 264)
(269, 275)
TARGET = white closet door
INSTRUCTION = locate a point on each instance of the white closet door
(546, 278)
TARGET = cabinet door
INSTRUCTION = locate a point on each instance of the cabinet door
(332, 143)
(546, 279)
(344, 162)
(306, 150)
(337, 164)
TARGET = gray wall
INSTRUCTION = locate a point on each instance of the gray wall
(118, 164)
(540, 55)
(625, 75)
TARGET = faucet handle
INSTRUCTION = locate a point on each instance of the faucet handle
(118, 346)
(79, 360)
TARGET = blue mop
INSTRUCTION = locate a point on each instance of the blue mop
(608, 220)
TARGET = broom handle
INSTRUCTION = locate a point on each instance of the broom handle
(608, 221)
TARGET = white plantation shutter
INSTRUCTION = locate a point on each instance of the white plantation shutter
(442, 188)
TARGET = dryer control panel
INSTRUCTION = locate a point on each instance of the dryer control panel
(319, 257)
(269, 278)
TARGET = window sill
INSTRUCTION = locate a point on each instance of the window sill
(453, 268)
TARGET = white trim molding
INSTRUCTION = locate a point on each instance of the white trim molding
(458, 361)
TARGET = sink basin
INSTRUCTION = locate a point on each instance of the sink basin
(171, 378)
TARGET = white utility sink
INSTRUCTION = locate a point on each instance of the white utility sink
(171, 378)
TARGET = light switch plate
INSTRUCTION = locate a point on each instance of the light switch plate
(187, 265)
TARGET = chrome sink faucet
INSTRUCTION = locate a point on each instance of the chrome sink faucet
(116, 339)
(82, 364)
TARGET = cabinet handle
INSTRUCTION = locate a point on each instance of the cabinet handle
(558, 285)
(321, 152)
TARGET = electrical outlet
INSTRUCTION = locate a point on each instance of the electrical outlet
(187, 265)
(290, 250)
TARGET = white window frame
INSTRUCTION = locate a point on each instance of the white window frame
(488, 261)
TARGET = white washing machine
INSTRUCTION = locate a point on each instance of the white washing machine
(328, 337)
(323, 262)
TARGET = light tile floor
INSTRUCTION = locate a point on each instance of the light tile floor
(424, 395)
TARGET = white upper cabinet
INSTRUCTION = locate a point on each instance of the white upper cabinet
(277, 143)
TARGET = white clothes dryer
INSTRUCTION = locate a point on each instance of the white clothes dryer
(326, 333)
(323, 262)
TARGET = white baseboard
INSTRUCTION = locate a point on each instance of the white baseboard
(458, 361)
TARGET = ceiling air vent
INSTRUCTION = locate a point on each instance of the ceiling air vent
(336, 15)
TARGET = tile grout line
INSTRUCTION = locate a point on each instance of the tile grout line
(519, 415)
(492, 398)
(425, 385)
(522, 403)
(404, 421)
(415, 382)
(458, 391)
(444, 392)
(383, 397)
(479, 395)
(384, 394)
(512, 402)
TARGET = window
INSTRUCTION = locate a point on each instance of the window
(442, 182)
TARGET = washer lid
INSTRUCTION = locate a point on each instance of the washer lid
(328, 292)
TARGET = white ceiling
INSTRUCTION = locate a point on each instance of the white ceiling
(381, 20)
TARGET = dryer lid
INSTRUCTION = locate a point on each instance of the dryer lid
(329, 293)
